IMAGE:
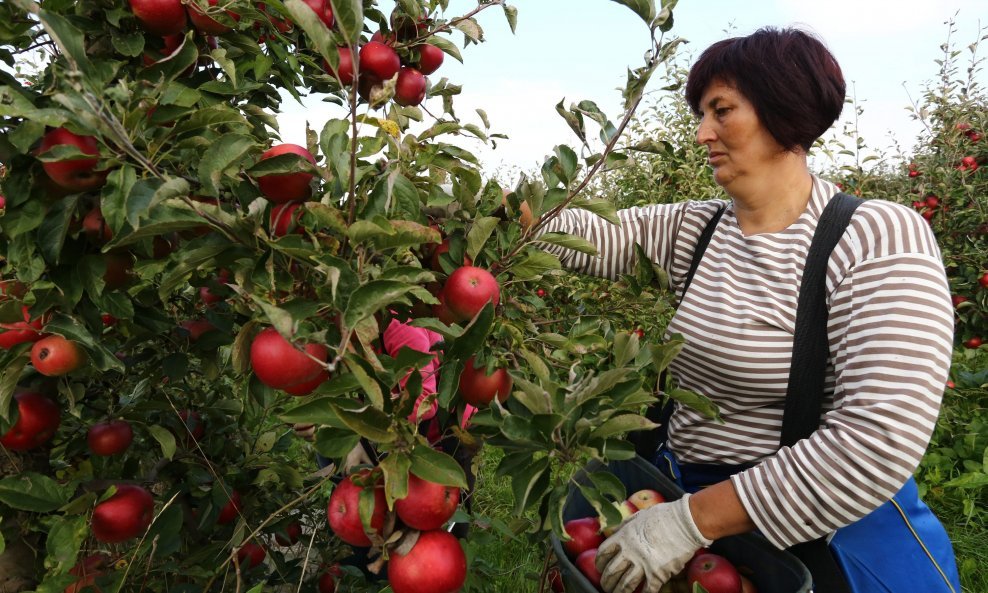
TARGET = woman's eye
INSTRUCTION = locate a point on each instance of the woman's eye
(721, 111)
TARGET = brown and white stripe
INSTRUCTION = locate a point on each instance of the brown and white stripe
(890, 332)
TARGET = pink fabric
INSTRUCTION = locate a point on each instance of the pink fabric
(400, 335)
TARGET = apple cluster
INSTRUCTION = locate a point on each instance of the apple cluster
(427, 559)
(402, 55)
(713, 572)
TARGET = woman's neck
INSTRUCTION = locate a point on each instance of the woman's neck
(771, 202)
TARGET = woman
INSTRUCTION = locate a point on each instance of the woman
(762, 100)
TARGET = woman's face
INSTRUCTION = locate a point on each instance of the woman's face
(738, 145)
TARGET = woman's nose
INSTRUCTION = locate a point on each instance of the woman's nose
(704, 132)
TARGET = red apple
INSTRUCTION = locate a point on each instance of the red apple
(279, 364)
(37, 420)
(379, 60)
(555, 578)
(118, 267)
(969, 162)
(323, 10)
(973, 342)
(344, 72)
(207, 24)
(410, 87)
(286, 187)
(250, 555)
(55, 356)
(479, 389)
(430, 58)
(20, 332)
(231, 510)
(75, 175)
(307, 387)
(427, 505)
(435, 564)
(285, 219)
(957, 300)
(440, 249)
(646, 498)
(109, 438)
(12, 288)
(194, 429)
(715, 573)
(468, 289)
(289, 535)
(587, 563)
(161, 17)
(584, 535)
(87, 570)
(124, 515)
(95, 227)
(983, 281)
(327, 582)
(3, 203)
(196, 328)
(343, 510)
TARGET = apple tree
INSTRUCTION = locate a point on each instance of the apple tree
(180, 287)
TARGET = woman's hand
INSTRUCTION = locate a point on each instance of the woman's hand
(650, 547)
(357, 456)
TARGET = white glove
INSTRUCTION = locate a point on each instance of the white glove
(356, 456)
(651, 546)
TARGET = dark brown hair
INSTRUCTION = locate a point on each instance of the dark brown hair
(790, 77)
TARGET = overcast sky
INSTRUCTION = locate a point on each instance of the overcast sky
(581, 49)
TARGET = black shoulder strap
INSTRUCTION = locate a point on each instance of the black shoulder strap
(647, 441)
(811, 349)
(701, 246)
(807, 373)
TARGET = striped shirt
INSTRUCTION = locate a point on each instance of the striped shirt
(890, 331)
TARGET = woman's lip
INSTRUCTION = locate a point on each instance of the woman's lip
(713, 156)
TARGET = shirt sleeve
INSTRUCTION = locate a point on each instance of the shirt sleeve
(657, 228)
(891, 337)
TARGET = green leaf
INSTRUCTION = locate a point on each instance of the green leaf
(437, 467)
(600, 207)
(474, 335)
(372, 297)
(574, 120)
(368, 384)
(568, 163)
(698, 402)
(70, 41)
(33, 492)
(319, 36)
(349, 15)
(478, 235)
(532, 396)
(165, 439)
(663, 354)
(395, 468)
(55, 227)
(643, 8)
(626, 347)
(64, 540)
(224, 158)
(511, 13)
(335, 443)
(569, 242)
(621, 425)
(534, 264)
(530, 484)
(447, 46)
(368, 422)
